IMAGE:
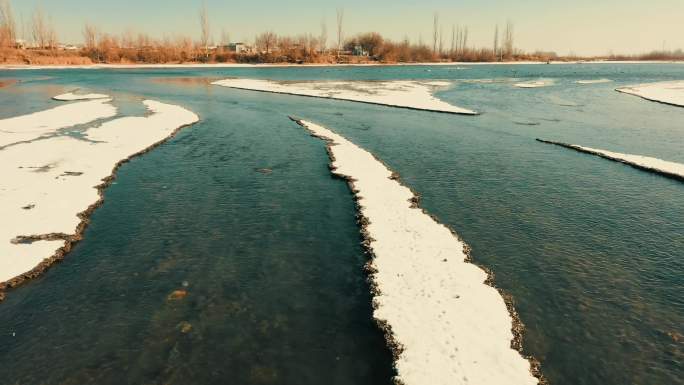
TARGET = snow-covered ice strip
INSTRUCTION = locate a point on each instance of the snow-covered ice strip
(49, 187)
(593, 81)
(32, 126)
(662, 92)
(444, 323)
(533, 84)
(411, 94)
(70, 96)
(663, 167)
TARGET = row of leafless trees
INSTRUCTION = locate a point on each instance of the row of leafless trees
(103, 47)
(41, 29)
(459, 48)
(140, 48)
(269, 47)
(8, 27)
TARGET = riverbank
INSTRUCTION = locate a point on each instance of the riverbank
(283, 65)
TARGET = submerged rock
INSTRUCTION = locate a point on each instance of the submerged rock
(177, 295)
(185, 327)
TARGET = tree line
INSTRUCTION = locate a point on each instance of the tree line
(102, 47)
(268, 47)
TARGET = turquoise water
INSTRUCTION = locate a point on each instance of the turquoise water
(591, 250)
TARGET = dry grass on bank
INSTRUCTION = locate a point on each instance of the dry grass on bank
(388, 53)
(42, 57)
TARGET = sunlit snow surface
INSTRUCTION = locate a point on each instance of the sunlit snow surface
(29, 127)
(663, 92)
(46, 183)
(534, 84)
(398, 93)
(647, 163)
(454, 329)
(70, 96)
(593, 81)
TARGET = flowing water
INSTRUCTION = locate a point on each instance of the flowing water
(240, 211)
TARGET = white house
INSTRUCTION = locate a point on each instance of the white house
(238, 48)
(21, 43)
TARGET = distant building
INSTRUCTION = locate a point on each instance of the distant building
(359, 51)
(238, 48)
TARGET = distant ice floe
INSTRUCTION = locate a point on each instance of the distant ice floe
(400, 93)
(487, 81)
(32, 126)
(662, 92)
(593, 81)
(49, 187)
(646, 163)
(445, 325)
(70, 96)
(534, 84)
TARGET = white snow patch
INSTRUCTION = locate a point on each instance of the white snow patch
(28, 127)
(401, 93)
(593, 81)
(454, 328)
(70, 96)
(663, 92)
(46, 183)
(640, 160)
(534, 84)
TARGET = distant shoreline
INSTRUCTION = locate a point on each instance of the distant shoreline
(283, 65)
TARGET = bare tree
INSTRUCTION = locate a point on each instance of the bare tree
(323, 38)
(205, 29)
(457, 36)
(453, 40)
(435, 32)
(225, 38)
(8, 28)
(310, 43)
(52, 38)
(441, 41)
(508, 40)
(464, 42)
(340, 29)
(24, 29)
(285, 43)
(496, 41)
(266, 41)
(90, 36)
(39, 29)
(128, 39)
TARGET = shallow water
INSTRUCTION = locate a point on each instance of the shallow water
(591, 250)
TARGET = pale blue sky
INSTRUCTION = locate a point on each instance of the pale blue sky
(579, 26)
